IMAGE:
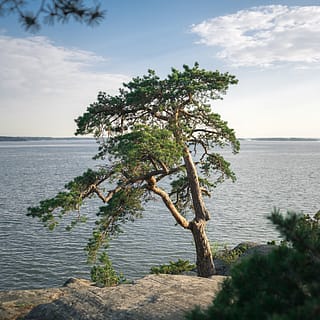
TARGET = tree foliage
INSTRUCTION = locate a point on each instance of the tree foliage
(103, 274)
(174, 267)
(157, 137)
(284, 285)
(51, 11)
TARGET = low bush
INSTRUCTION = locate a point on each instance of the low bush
(228, 256)
(103, 275)
(177, 267)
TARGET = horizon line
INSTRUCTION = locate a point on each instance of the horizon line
(30, 138)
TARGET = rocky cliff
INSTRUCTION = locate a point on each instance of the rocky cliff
(152, 297)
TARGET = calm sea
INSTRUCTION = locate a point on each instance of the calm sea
(281, 174)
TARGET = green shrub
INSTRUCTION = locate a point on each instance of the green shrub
(284, 285)
(104, 275)
(229, 256)
(281, 243)
(177, 267)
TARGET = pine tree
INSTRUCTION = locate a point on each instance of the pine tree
(151, 131)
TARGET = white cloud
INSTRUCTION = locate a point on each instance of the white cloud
(43, 87)
(264, 36)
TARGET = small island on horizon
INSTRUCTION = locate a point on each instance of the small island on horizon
(23, 138)
(280, 139)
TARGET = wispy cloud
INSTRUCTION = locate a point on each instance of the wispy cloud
(265, 36)
(56, 83)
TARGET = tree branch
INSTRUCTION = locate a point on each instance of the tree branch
(182, 221)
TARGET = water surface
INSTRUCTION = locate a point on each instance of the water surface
(282, 174)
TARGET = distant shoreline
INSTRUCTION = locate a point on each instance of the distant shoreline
(280, 139)
(11, 138)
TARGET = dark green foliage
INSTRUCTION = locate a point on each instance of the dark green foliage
(229, 256)
(124, 206)
(176, 267)
(284, 285)
(103, 275)
(145, 148)
(51, 11)
(50, 210)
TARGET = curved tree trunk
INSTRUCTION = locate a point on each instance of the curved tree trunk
(205, 264)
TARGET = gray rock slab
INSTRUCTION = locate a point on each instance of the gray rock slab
(16, 303)
(152, 297)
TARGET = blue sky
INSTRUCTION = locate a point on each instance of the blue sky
(47, 79)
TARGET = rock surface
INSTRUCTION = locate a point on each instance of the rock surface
(251, 248)
(152, 297)
(16, 303)
(263, 249)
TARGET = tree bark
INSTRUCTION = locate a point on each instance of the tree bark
(201, 212)
(182, 221)
(205, 265)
